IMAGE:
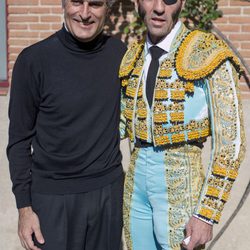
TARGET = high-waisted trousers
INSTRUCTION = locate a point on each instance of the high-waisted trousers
(83, 221)
(162, 188)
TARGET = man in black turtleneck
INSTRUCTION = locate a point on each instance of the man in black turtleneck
(63, 149)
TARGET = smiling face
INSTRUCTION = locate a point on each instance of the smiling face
(159, 16)
(85, 19)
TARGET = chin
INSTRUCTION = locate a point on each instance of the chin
(84, 36)
(85, 39)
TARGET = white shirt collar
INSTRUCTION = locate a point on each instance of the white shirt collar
(166, 42)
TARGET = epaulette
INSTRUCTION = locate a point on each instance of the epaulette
(130, 58)
(200, 54)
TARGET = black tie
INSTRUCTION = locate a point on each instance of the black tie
(156, 53)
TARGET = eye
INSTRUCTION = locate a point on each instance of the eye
(96, 4)
(77, 2)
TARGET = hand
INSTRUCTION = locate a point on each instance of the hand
(200, 232)
(28, 225)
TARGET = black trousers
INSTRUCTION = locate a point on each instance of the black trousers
(84, 221)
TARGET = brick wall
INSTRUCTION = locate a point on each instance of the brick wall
(32, 20)
(235, 25)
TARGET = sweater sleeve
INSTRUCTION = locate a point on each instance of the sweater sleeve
(23, 109)
(228, 142)
(123, 134)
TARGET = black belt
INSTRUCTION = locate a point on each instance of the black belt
(143, 144)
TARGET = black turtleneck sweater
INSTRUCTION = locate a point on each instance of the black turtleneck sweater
(64, 104)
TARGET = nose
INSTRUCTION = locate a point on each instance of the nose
(159, 7)
(84, 12)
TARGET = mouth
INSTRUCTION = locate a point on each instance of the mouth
(84, 23)
(158, 21)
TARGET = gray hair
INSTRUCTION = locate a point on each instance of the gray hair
(109, 3)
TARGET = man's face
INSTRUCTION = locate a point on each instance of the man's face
(159, 16)
(85, 19)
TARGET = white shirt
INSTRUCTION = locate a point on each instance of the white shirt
(163, 44)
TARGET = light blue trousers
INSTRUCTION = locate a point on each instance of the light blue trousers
(159, 196)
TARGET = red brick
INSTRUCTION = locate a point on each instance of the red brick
(15, 50)
(50, 2)
(44, 35)
(239, 19)
(12, 57)
(18, 18)
(18, 42)
(23, 2)
(245, 53)
(239, 3)
(27, 34)
(33, 41)
(57, 10)
(239, 37)
(11, 65)
(245, 28)
(17, 26)
(39, 10)
(245, 45)
(56, 26)
(230, 11)
(51, 19)
(222, 20)
(228, 27)
(39, 26)
(17, 10)
(246, 11)
(247, 61)
(224, 3)
(237, 45)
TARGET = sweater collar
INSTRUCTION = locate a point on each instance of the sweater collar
(75, 45)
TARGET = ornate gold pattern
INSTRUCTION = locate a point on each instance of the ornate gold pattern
(127, 198)
(160, 118)
(162, 140)
(161, 94)
(200, 54)
(177, 117)
(166, 69)
(184, 178)
(224, 167)
(178, 95)
(130, 58)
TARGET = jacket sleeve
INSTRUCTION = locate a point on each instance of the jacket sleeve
(23, 108)
(228, 142)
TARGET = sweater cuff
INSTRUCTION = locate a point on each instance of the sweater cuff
(23, 199)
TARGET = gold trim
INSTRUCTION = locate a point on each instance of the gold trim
(127, 198)
(130, 58)
(200, 54)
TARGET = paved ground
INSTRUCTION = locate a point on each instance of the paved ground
(236, 237)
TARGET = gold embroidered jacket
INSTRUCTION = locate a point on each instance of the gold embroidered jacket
(196, 95)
